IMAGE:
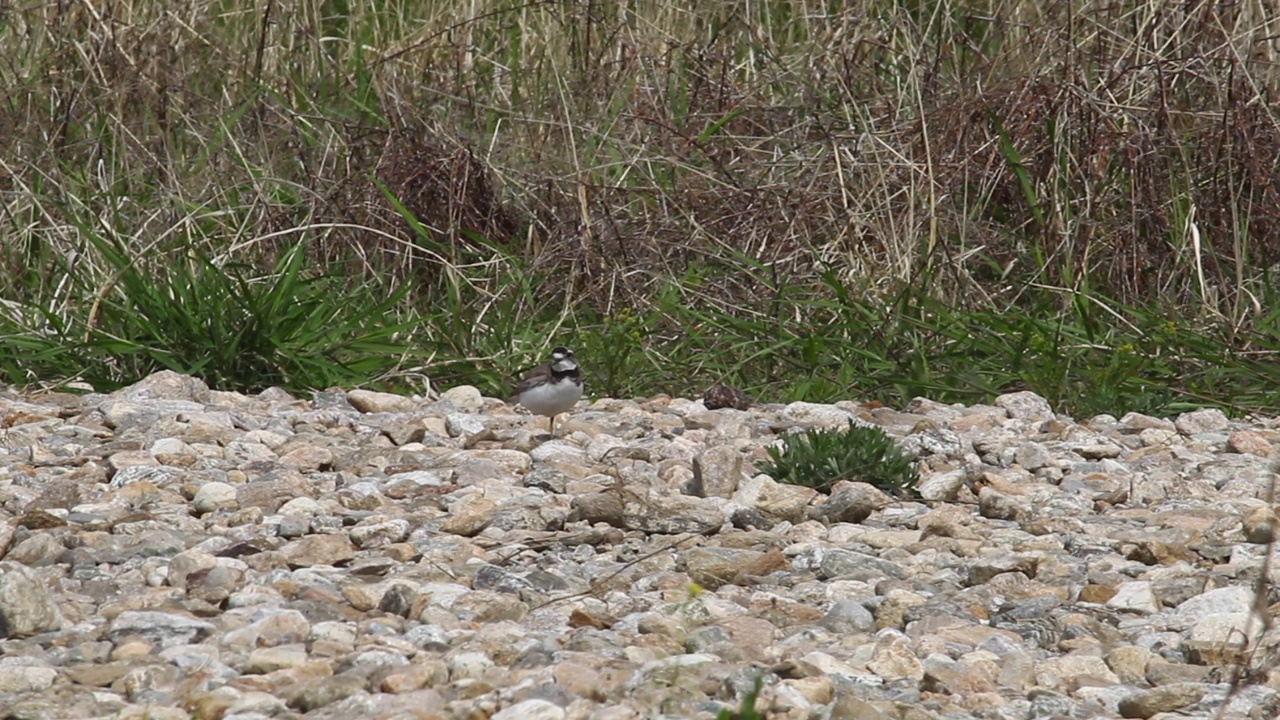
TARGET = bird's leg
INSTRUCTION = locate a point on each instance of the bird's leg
(552, 422)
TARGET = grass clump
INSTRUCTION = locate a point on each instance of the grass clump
(819, 458)
(240, 327)
(233, 324)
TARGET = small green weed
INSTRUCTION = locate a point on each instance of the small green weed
(820, 458)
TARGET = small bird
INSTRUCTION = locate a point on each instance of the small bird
(552, 388)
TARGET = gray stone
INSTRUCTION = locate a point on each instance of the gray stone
(380, 533)
(851, 502)
(26, 678)
(849, 565)
(27, 607)
(41, 549)
(814, 415)
(158, 628)
(671, 515)
(1001, 506)
(1204, 420)
(533, 709)
(1033, 456)
(323, 691)
(214, 496)
(166, 385)
(848, 616)
(941, 485)
(775, 501)
(718, 472)
(1025, 405)
(1168, 698)
(463, 424)
(465, 398)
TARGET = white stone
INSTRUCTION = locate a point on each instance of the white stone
(26, 678)
(300, 506)
(815, 415)
(468, 665)
(465, 398)
(533, 709)
(1231, 599)
(1135, 596)
(1203, 420)
(213, 496)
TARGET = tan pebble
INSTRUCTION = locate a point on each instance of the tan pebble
(1249, 443)
(131, 649)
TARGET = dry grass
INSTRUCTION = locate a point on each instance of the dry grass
(978, 153)
(868, 137)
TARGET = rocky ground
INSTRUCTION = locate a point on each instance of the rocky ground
(172, 552)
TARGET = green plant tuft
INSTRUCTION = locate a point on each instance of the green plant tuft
(820, 458)
(231, 324)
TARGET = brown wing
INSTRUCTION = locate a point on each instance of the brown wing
(536, 377)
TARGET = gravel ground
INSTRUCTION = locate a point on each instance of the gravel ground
(167, 551)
